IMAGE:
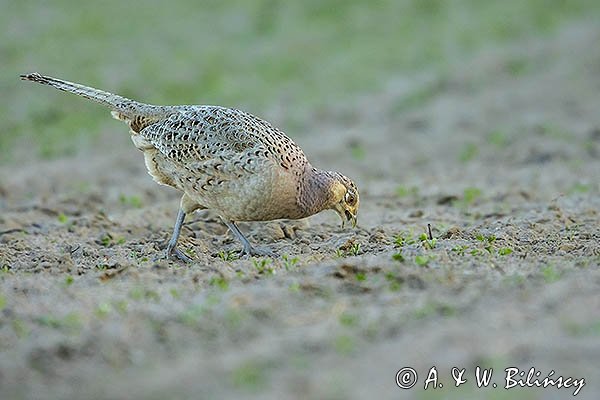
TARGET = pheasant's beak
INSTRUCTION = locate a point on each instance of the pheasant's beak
(350, 217)
(345, 215)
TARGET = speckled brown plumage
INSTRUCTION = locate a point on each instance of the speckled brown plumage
(224, 159)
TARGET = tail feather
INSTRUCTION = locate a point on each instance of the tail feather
(122, 105)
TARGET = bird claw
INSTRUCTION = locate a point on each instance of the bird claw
(173, 252)
(176, 253)
(251, 251)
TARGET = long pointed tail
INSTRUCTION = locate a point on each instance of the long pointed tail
(122, 105)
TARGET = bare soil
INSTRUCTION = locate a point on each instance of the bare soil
(500, 155)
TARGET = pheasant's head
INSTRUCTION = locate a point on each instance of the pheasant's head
(344, 198)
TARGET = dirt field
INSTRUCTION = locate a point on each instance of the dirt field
(501, 156)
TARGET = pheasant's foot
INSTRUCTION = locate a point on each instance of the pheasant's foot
(251, 251)
(172, 252)
(176, 253)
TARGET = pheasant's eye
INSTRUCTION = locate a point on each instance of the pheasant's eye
(350, 198)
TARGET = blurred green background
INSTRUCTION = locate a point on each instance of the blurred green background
(298, 57)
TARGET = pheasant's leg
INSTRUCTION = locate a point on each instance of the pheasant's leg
(248, 249)
(172, 249)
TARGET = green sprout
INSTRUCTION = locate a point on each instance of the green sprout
(230, 255)
(426, 242)
(355, 249)
(404, 191)
(289, 262)
(132, 201)
(468, 152)
(398, 257)
(262, 266)
(219, 282)
(460, 250)
(471, 194)
(422, 260)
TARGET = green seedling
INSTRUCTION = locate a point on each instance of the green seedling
(355, 249)
(402, 239)
(233, 319)
(589, 328)
(426, 242)
(140, 293)
(475, 252)
(404, 191)
(579, 188)
(504, 251)
(399, 241)
(136, 293)
(395, 283)
(230, 255)
(192, 314)
(554, 131)
(435, 308)
(490, 238)
(358, 151)
(103, 310)
(471, 194)
(349, 320)
(121, 306)
(294, 287)
(344, 345)
(468, 152)
(289, 262)
(482, 238)
(498, 139)
(517, 66)
(70, 322)
(460, 250)
(152, 295)
(107, 240)
(262, 266)
(219, 282)
(487, 242)
(550, 274)
(191, 253)
(249, 376)
(132, 201)
(62, 218)
(422, 260)
(20, 328)
(398, 257)
(418, 96)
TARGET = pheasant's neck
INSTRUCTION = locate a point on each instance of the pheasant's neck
(315, 191)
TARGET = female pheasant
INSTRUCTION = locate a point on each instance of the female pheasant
(226, 160)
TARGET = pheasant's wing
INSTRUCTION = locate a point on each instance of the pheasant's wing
(205, 134)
